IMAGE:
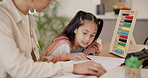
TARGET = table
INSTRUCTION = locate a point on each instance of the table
(105, 50)
(119, 72)
(113, 73)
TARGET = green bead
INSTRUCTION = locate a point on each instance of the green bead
(122, 44)
(127, 25)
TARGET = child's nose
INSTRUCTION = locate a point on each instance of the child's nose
(87, 38)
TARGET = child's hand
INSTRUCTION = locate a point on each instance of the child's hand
(90, 50)
(93, 48)
(76, 56)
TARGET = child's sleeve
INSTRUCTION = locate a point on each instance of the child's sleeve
(60, 57)
(59, 53)
(93, 48)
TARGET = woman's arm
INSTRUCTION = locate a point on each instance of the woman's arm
(17, 65)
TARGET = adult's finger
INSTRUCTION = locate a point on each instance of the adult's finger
(97, 68)
(95, 73)
(102, 68)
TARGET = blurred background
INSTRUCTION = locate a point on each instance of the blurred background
(105, 9)
(51, 22)
(70, 7)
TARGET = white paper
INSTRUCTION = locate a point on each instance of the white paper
(107, 62)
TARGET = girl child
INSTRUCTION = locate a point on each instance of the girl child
(78, 39)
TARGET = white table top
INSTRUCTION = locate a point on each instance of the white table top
(119, 72)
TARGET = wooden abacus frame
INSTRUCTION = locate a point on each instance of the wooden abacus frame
(130, 39)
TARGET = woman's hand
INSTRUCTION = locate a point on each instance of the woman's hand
(76, 56)
(89, 68)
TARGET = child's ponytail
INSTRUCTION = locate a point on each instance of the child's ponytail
(101, 22)
(100, 26)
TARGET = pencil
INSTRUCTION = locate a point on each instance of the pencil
(88, 58)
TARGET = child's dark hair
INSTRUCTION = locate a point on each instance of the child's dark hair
(77, 21)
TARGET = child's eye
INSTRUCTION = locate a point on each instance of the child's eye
(92, 35)
(84, 33)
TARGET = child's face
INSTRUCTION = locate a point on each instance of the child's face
(85, 34)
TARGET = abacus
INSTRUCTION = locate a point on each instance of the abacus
(122, 35)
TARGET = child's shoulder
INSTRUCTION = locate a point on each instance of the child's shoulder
(62, 40)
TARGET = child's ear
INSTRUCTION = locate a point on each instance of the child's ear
(75, 30)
